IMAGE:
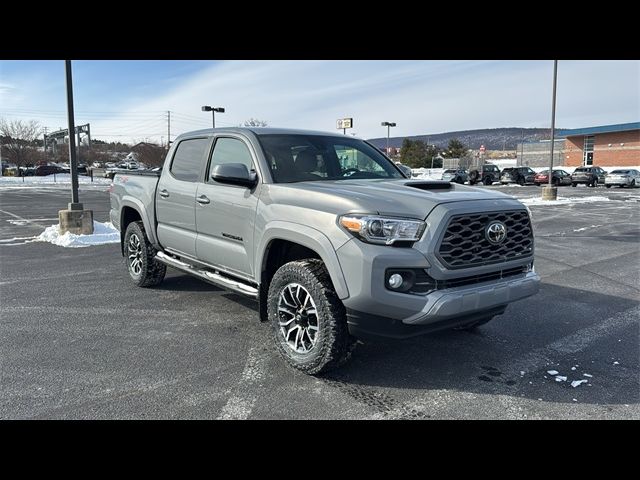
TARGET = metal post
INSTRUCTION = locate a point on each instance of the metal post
(73, 161)
(553, 117)
(388, 129)
(168, 128)
(550, 192)
(213, 116)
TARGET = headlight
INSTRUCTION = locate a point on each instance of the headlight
(383, 230)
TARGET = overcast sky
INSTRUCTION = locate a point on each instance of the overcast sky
(128, 100)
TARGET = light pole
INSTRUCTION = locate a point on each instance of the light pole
(213, 110)
(550, 192)
(388, 125)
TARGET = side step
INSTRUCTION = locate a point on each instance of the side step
(212, 277)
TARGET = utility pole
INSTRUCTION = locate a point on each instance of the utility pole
(550, 192)
(168, 128)
(75, 219)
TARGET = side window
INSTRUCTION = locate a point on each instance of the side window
(188, 158)
(231, 150)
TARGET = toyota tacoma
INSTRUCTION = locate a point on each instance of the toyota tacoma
(327, 235)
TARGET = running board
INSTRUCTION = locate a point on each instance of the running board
(212, 277)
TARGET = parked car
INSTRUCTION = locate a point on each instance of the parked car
(487, 174)
(44, 170)
(404, 169)
(27, 171)
(9, 169)
(327, 255)
(623, 178)
(519, 175)
(457, 176)
(558, 177)
(588, 175)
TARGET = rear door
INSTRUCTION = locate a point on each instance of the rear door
(225, 214)
(176, 196)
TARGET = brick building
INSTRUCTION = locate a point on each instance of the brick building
(604, 146)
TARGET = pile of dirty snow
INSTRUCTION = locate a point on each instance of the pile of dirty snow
(563, 200)
(103, 233)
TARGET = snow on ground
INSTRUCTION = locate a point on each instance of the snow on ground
(577, 383)
(62, 179)
(552, 372)
(102, 233)
(563, 200)
(427, 173)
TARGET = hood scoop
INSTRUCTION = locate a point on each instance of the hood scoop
(430, 185)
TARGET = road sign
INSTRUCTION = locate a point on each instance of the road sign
(343, 123)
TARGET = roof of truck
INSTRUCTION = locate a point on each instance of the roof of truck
(263, 131)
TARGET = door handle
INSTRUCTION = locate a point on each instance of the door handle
(203, 200)
(163, 193)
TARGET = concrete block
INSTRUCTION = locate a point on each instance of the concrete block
(549, 193)
(79, 222)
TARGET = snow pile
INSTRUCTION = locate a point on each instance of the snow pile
(102, 233)
(563, 200)
(58, 179)
(577, 383)
(427, 173)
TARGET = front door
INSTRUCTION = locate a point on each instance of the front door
(225, 214)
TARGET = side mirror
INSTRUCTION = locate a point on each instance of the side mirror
(234, 174)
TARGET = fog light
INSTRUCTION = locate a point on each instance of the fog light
(395, 280)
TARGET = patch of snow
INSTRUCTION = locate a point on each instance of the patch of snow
(587, 375)
(563, 200)
(586, 228)
(103, 233)
(616, 363)
(573, 368)
(577, 383)
(522, 373)
(574, 399)
(560, 378)
(552, 372)
(60, 179)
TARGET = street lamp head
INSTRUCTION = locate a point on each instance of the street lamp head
(388, 124)
(206, 108)
(219, 109)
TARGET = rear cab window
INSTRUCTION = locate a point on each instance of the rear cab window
(188, 159)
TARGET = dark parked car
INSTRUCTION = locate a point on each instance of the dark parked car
(519, 175)
(43, 170)
(559, 177)
(591, 176)
(404, 169)
(487, 174)
(457, 176)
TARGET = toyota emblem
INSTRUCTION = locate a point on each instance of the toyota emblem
(496, 232)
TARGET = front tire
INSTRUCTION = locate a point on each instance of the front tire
(144, 270)
(308, 320)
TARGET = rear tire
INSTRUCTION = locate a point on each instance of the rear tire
(521, 181)
(487, 181)
(574, 184)
(633, 184)
(308, 320)
(139, 254)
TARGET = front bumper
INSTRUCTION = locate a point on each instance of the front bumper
(372, 309)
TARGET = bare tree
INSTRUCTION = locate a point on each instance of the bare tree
(19, 140)
(253, 122)
(150, 154)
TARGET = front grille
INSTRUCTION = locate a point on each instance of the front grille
(464, 243)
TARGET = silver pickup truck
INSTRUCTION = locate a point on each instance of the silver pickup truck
(327, 234)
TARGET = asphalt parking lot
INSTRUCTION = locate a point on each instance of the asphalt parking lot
(77, 340)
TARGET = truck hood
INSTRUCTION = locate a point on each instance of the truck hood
(408, 198)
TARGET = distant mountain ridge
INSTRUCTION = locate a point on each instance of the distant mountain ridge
(491, 138)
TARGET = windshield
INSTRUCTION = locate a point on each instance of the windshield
(449, 171)
(301, 158)
(581, 170)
